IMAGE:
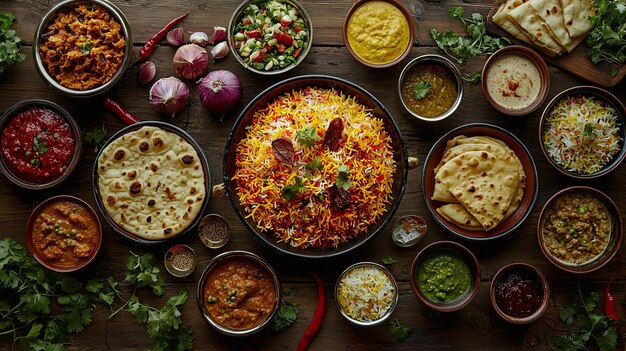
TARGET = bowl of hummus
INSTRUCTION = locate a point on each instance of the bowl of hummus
(378, 33)
(515, 80)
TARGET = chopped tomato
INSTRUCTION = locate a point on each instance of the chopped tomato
(265, 25)
(281, 48)
(246, 21)
(283, 38)
(260, 57)
(285, 23)
(296, 52)
(253, 33)
(298, 29)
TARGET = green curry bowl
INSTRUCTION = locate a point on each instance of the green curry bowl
(445, 276)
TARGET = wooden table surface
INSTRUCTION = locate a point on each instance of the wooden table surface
(476, 327)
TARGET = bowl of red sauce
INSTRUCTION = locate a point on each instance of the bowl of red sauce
(519, 293)
(40, 144)
(64, 233)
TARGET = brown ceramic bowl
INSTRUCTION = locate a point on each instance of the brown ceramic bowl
(356, 56)
(613, 245)
(530, 195)
(11, 112)
(200, 297)
(463, 253)
(536, 60)
(609, 100)
(53, 266)
(525, 272)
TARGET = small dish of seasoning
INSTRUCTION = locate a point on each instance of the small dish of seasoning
(430, 87)
(445, 276)
(408, 230)
(519, 293)
(515, 80)
(180, 260)
(378, 33)
(213, 231)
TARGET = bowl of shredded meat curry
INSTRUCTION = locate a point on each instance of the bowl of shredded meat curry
(82, 48)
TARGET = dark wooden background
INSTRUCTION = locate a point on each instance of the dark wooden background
(476, 327)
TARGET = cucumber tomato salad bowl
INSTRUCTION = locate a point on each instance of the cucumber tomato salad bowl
(270, 36)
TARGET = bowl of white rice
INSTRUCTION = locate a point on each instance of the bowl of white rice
(366, 294)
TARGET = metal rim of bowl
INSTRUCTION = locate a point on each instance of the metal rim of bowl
(12, 111)
(520, 266)
(539, 63)
(126, 62)
(394, 302)
(469, 258)
(451, 67)
(219, 218)
(202, 281)
(402, 219)
(609, 252)
(608, 98)
(29, 232)
(238, 13)
(530, 205)
(270, 243)
(203, 161)
(395, 61)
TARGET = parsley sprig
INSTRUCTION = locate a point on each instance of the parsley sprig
(308, 136)
(9, 43)
(607, 40)
(421, 89)
(477, 41)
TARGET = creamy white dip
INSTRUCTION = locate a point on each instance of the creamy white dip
(513, 82)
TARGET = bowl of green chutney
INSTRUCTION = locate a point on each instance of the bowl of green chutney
(445, 276)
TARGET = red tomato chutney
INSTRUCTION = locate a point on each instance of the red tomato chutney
(239, 293)
(518, 295)
(37, 145)
(65, 233)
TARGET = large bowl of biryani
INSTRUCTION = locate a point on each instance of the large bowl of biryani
(315, 166)
(82, 47)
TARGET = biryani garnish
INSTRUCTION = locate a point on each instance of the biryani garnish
(582, 134)
(365, 293)
(337, 182)
(82, 47)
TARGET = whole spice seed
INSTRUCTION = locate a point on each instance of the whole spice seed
(183, 260)
(213, 231)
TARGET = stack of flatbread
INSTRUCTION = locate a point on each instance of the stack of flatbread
(481, 180)
(553, 26)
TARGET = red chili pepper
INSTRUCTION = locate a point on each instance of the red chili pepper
(318, 316)
(609, 303)
(283, 38)
(119, 111)
(151, 44)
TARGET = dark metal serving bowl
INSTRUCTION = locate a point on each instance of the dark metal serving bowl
(362, 96)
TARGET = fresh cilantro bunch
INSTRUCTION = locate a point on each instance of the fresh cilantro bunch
(9, 43)
(142, 272)
(476, 43)
(285, 316)
(590, 326)
(97, 137)
(607, 40)
(399, 331)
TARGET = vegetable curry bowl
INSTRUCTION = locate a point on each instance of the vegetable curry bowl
(238, 293)
(82, 47)
(64, 233)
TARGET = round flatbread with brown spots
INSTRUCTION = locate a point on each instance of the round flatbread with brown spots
(151, 182)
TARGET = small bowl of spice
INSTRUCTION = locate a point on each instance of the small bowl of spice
(445, 276)
(213, 231)
(515, 80)
(430, 88)
(408, 230)
(180, 260)
(519, 293)
(366, 294)
(378, 33)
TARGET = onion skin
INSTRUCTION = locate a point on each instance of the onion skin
(169, 95)
(191, 61)
(147, 72)
(176, 36)
(220, 91)
(199, 38)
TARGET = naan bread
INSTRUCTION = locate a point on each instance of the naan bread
(441, 193)
(576, 15)
(503, 21)
(551, 15)
(526, 19)
(459, 215)
(151, 182)
(483, 183)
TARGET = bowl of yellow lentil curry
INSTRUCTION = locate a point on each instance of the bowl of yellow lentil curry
(378, 33)
(430, 88)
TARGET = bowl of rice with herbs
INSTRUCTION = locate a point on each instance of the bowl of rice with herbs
(581, 132)
(315, 166)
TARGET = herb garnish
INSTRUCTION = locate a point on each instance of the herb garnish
(9, 43)
(590, 326)
(607, 40)
(421, 89)
(39, 147)
(97, 137)
(388, 261)
(589, 131)
(342, 178)
(285, 316)
(314, 165)
(86, 49)
(472, 78)
(399, 331)
(476, 43)
(308, 136)
(289, 191)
